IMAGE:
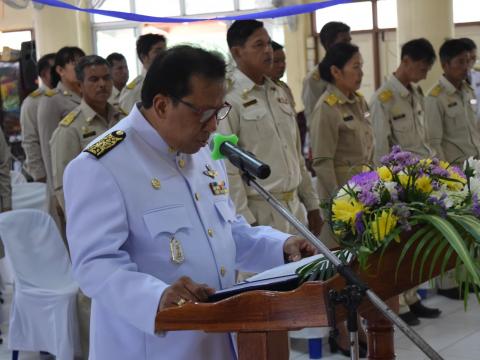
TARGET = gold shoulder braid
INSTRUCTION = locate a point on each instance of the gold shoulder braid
(106, 144)
(68, 119)
(132, 84)
(331, 99)
(436, 90)
(385, 96)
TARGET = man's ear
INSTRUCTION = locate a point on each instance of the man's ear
(160, 104)
(236, 52)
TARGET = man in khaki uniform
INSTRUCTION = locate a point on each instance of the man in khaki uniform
(28, 121)
(397, 107)
(450, 107)
(119, 71)
(148, 47)
(57, 103)
(279, 65)
(313, 85)
(397, 111)
(90, 119)
(263, 118)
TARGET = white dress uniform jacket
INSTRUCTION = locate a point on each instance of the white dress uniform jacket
(124, 209)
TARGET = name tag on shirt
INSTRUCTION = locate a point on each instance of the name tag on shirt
(250, 103)
(398, 117)
(452, 104)
(348, 118)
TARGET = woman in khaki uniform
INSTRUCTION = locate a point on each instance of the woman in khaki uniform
(341, 132)
(341, 139)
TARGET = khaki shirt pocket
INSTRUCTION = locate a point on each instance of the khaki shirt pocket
(455, 118)
(255, 125)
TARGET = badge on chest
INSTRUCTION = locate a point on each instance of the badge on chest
(176, 251)
(218, 188)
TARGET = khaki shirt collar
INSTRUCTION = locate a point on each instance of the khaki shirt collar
(90, 114)
(398, 87)
(244, 82)
(342, 99)
(63, 90)
(450, 88)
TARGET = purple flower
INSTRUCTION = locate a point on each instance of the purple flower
(359, 225)
(440, 203)
(476, 206)
(365, 178)
(368, 198)
(457, 170)
(439, 171)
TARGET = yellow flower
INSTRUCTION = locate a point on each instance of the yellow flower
(383, 225)
(444, 164)
(454, 185)
(345, 210)
(404, 178)
(424, 184)
(425, 162)
(384, 173)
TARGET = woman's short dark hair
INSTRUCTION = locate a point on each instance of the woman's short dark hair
(239, 32)
(338, 55)
(171, 72)
(419, 50)
(470, 43)
(64, 56)
(146, 42)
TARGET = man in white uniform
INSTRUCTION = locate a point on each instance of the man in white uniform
(150, 221)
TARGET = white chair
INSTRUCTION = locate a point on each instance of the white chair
(31, 195)
(16, 177)
(43, 316)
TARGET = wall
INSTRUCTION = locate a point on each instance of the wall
(13, 19)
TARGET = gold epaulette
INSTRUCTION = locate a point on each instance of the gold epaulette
(106, 144)
(51, 92)
(476, 67)
(436, 90)
(316, 75)
(121, 111)
(358, 93)
(132, 84)
(36, 93)
(385, 96)
(68, 119)
(331, 99)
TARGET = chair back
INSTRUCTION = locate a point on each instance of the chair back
(31, 195)
(35, 249)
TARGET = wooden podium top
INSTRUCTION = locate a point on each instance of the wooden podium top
(303, 307)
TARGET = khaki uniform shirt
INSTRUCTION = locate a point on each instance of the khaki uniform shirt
(451, 122)
(263, 119)
(5, 183)
(288, 91)
(397, 115)
(73, 134)
(31, 141)
(313, 87)
(341, 138)
(131, 94)
(52, 108)
(475, 81)
(115, 97)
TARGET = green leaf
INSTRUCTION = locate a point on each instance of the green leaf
(456, 243)
(407, 246)
(436, 255)
(427, 252)
(470, 223)
(422, 242)
(448, 254)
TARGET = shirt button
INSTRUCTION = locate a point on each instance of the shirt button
(210, 232)
(181, 163)
(223, 271)
(197, 196)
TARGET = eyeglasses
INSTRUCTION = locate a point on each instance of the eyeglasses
(205, 115)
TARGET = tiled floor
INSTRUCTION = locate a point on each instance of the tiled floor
(456, 335)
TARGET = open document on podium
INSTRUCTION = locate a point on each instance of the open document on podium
(280, 278)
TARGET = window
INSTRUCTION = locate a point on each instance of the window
(14, 39)
(163, 8)
(208, 6)
(387, 14)
(357, 15)
(113, 5)
(466, 11)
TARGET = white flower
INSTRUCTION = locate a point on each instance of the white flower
(474, 164)
(474, 185)
(390, 186)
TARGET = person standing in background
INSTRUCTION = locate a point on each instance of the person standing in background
(119, 70)
(148, 47)
(34, 163)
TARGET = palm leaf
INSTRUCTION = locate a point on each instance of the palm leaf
(436, 255)
(407, 246)
(427, 252)
(470, 223)
(418, 250)
(456, 242)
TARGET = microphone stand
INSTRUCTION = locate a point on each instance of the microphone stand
(355, 290)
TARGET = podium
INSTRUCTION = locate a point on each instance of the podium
(262, 318)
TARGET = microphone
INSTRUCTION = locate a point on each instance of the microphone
(225, 146)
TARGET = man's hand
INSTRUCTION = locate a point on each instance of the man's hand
(182, 291)
(315, 222)
(296, 248)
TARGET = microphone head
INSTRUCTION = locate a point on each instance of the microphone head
(216, 141)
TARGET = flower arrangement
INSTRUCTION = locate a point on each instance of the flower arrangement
(438, 200)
